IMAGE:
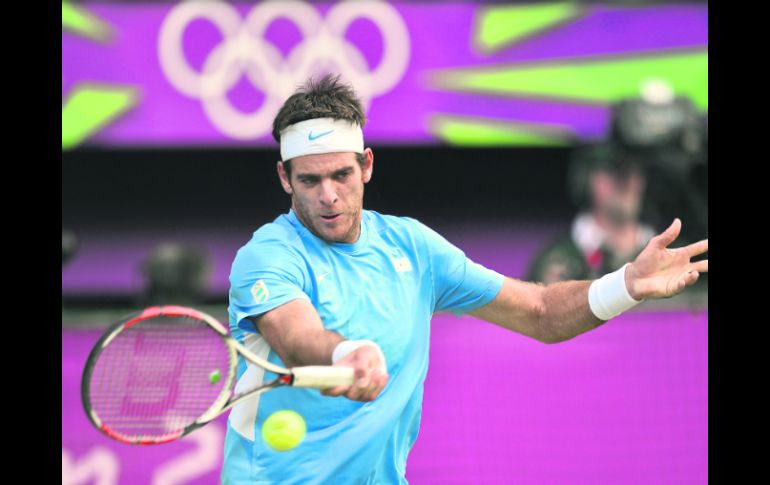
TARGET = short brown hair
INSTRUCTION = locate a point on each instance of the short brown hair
(327, 97)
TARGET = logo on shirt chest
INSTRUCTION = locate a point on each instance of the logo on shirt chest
(322, 276)
(401, 264)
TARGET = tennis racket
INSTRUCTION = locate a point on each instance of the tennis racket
(163, 373)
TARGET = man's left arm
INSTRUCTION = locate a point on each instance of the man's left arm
(563, 310)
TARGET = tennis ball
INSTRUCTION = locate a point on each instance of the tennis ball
(215, 376)
(284, 430)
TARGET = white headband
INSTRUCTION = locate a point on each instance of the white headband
(321, 135)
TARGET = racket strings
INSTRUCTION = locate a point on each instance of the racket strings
(157, 377)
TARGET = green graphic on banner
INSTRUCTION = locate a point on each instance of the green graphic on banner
(79, 21)
(594, 79)
(499, 27)
(90, 107)
(461, 131)
(597, 79)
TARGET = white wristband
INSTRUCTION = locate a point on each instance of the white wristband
(608, 296)
(347, 346)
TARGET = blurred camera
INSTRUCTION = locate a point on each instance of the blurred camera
(661, 129)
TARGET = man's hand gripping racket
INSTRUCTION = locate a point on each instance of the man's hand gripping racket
(168, 371)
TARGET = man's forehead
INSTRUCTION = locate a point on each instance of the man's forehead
(322, 163)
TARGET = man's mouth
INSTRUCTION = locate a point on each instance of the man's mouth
(331, 218)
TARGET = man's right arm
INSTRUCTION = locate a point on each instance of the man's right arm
(296, 333)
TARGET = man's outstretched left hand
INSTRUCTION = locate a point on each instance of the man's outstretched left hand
(662, 272)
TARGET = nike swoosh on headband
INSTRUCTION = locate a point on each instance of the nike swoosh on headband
(311, 137)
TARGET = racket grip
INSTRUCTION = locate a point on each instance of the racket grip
(322, 376)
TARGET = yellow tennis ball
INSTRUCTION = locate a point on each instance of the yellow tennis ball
(215, 376)
(284, 430)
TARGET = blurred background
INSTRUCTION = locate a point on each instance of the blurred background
(548, 140)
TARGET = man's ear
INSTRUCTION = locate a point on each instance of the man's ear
(284, 178)
(368, 168)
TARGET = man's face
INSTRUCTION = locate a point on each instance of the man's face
(618, 197)
(327, 193)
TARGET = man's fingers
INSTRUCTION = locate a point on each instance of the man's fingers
(335, 391)
(356, 393)
(700, 266)
(669, 235)
(369, 392)
(697, 248)
(383, 381)
(362, 378)
(376, 383)
(686, 279)
(377, 386)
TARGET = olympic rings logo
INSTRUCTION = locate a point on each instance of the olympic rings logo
(244, 51)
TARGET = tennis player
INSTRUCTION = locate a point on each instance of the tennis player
(331, 283)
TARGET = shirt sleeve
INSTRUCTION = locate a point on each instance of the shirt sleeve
(263, 277)
(459, 284)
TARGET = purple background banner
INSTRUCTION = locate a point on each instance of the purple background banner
(624, 404)
(165, 116)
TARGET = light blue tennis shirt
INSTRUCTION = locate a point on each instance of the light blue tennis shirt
(384, 287)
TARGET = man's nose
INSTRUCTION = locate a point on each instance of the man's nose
(328, 193)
